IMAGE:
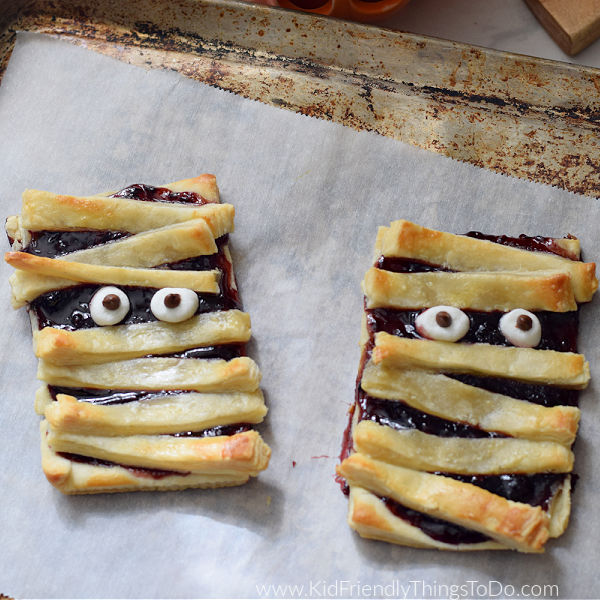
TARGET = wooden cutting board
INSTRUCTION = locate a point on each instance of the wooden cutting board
(573, 24)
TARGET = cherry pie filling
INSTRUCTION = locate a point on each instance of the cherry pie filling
(559, 332)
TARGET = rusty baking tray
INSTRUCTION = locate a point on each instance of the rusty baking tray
(521, 116)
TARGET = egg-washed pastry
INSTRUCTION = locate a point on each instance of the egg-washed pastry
(139, 328)
(466, 401)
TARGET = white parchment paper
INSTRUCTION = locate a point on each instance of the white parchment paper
(309, 196)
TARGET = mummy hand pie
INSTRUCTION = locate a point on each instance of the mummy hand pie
(139, 328)
(466, 401)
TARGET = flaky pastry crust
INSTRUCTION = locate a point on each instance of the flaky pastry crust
(565, 369)
(476, 291)
(513, 524)
(448, 398)
(121, 342)
(417, 450)
(462, 253)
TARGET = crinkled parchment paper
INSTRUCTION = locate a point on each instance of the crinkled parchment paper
(309, 196)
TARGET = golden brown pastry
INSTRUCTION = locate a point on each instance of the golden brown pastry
(466, 402)
(139, 329)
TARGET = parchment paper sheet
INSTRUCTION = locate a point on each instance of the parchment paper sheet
(309, 196)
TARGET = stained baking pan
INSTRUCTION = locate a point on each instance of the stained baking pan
(306, 213)
(522, 116)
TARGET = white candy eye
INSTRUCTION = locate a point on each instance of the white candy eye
(521, 328)
(174, 304)
(109, 305)
(446, 323)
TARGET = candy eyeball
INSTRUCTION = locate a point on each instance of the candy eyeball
(521, 328)
(174, 305)
(444, 323)
(109, 306)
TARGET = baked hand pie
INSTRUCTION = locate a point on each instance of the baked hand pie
(140, 332)
(466, 401)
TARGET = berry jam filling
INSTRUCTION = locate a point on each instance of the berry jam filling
(144, 472)
(536, 243)
(442, 531)
(56, 243)
(399, 415)
(546, 395)
(537, 489)
(149, 193)
(69, 308)
(107, 397)
(559, 330)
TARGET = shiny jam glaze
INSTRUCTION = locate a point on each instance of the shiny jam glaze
(399, 415)
(150, 193)
(546, 395)
(535, 243)
(536, 489)
(437, 529)
(137, 471)
(559, 330)
(56, 243)
(68, 308)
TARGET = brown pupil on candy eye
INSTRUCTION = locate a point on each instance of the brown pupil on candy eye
(111, 302)
(172, 300)
(524, 323)
(443, 319)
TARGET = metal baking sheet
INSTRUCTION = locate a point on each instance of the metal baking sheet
(309, 195)
(527, 117)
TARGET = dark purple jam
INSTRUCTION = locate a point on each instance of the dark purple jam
(56, 243)
(223, 351)
(137, 471)
(106, 397)
(216, 431)
(437, 529)
(407, 265)
(208, 263)
(559, 330)
(68, 308)
(536, 243)
(149, 193)
(399, 415)
(523, 242)
(537, 489)
(546, 395)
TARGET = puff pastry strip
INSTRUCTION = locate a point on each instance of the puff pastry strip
(477, 291)
(565, 369)
(71, 272)
(243, 452)
(462, 253)
(166, 245)
(214, 375)
(121, 342)
(512, 524)
(417, 450)
(188, 411)
(205, 185)
(47, 211)
(447, 398)
(85, 478)
(368, 515)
